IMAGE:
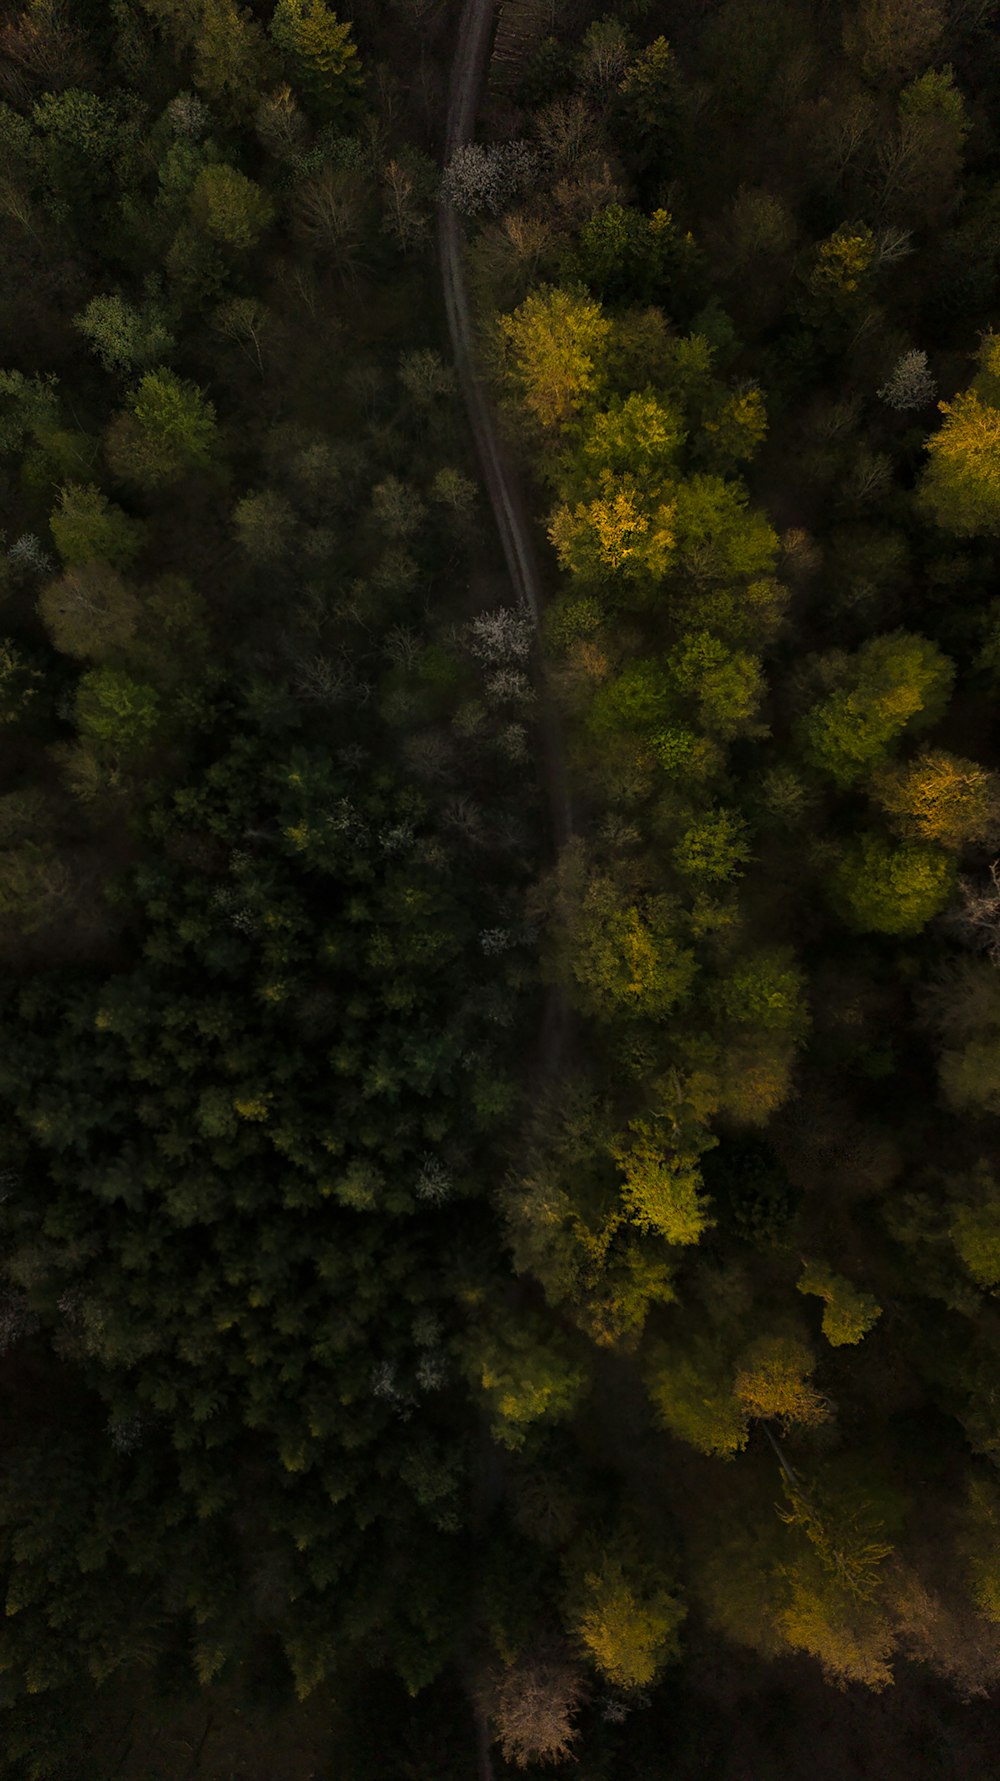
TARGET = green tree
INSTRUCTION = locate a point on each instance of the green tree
(735, 429)
(230, 59)
(891, 39)
(690, 1383)
(619, 953)
(321, 53)
(526, 1372)
(719, 536)
(230, 208)
(624, 531)
(975, 1232)
(833, 1581)
(125, 337)
(887, 887)
(118, 714)
(982, 1545)
(652, 98)
(637, 435)
(894, 684)
(265, 525)
(86, 526)
(848, 1314)
(724, 687)
(765, 991)
(20, 683)
(843, 265)
(965, 1009)
(170, 430)
(713, 847)
(621, 253)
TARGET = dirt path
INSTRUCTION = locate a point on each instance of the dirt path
(506, 498)
(510, 511)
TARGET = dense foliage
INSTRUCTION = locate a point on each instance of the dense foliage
(452, 1289)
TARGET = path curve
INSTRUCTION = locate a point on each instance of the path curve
(468, 75)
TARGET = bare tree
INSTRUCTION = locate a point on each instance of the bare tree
(909, 384)
(532, 1704)
(977, 915)
(480, 177)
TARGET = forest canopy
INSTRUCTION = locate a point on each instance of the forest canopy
(499, 889)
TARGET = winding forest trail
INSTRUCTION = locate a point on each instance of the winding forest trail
(510, 511)
(506, 498)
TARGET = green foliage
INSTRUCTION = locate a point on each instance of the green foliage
(765, 991)
(982, 1545)
(960, 486)
(723, 686)
(638, 435)
(265, 525)
(941, 797)
(320, 51)
(90, 612)
(973, 1226)
(751, 1184)
(526, 1372)
(887, 887)
(843, 264)
(848, 1314)
(20, 684)
(896, 683)
(620, 954)
(87, 526)
(124, 337)
(734, 432)
(691, 1386)
(713, 847)
(718, 534)
(620, 252)
(170, 430)
(118, 714)
(230, 208)
(966, 1010)
(934, 96)
(623, 531)
(833, 1581)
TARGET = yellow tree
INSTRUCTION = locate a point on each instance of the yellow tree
(941, 797)
(960, 486)
(621, 532)
(832, 1609)
(848, 1314)
(616, 948)
(622, 1612)
(661, 1185)
(558, 341)
(774, 1381)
